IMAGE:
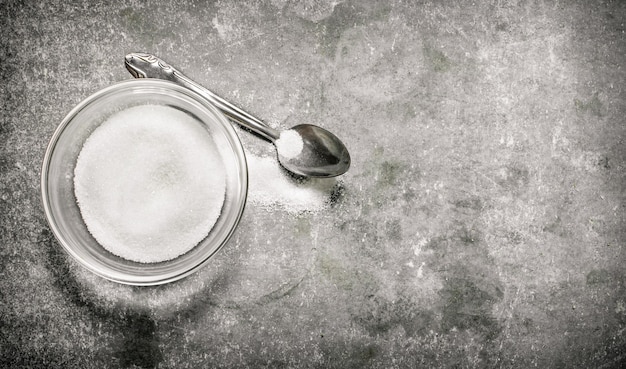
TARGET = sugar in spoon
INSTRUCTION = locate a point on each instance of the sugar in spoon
(320, 154)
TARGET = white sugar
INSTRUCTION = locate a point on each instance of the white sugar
(289, 144)
(150, 183)
(271, 188)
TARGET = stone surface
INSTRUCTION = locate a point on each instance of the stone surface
(481, 224)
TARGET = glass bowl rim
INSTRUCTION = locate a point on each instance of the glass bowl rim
(232, 136)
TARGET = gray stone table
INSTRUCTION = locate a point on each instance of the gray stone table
(480, 225)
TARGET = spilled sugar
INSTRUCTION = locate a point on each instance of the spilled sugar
(149, 183)
(271, 188)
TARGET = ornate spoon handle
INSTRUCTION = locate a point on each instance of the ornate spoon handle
(142, 65)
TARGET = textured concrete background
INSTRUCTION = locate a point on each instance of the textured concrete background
(481, 224)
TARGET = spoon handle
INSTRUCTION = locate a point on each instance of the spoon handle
(142, 65)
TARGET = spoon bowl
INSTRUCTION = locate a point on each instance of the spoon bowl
(322, 153)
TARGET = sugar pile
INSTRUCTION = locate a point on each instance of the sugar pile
(271, 188)
(149, 183)
(289, 144)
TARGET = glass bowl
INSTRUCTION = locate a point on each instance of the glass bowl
(57, 180)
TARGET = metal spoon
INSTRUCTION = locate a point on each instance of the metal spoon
(322, 154)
